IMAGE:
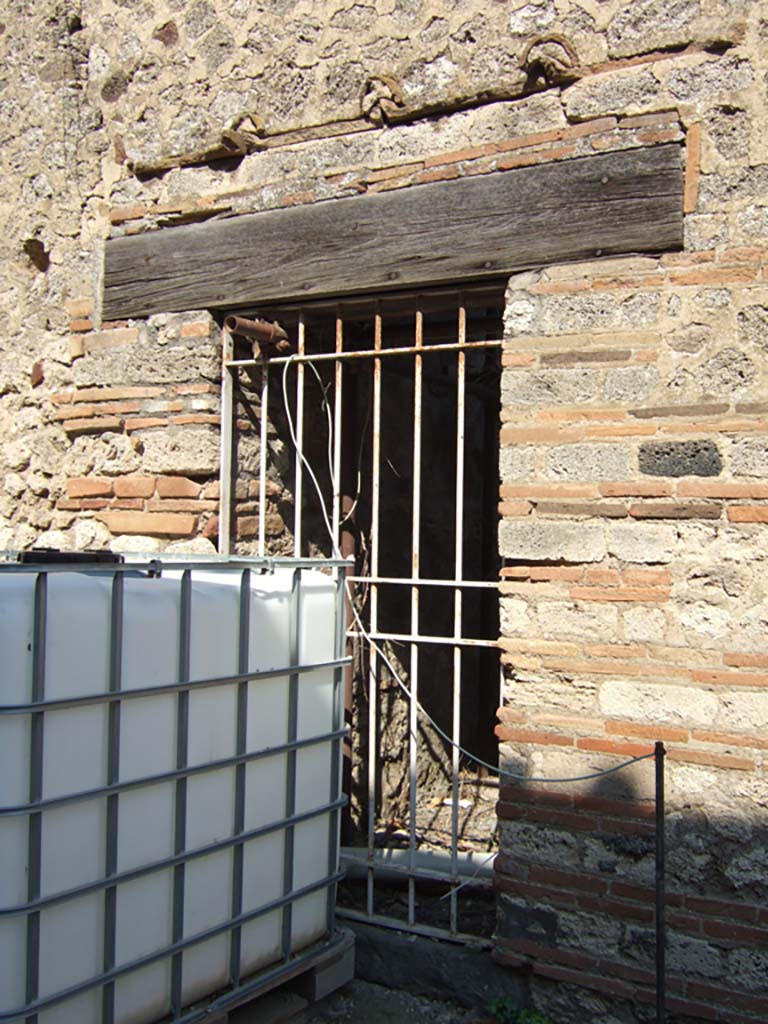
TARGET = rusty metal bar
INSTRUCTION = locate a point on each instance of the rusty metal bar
(267, 334)
(263, 459)
(457, 610)
(343, 544)
(337, 426)
(374, 665)
(226, 441)
(413, 711)
(416, 638)
(324, 357)
(298, 489)
(407, 581)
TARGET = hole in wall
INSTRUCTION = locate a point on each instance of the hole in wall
(38, 255)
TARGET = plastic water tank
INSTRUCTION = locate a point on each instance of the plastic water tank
(97, 881)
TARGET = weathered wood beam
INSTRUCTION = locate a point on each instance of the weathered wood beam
(461, 230)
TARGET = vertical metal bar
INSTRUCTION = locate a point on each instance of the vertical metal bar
(290, 774)
(180, 803)
(263, 457)
(374, 664)
(299, 466)
(414, 659)
(336, 751)
(34, 833)
(337, 411)
(457, 611)
(240, 747)
(226, 442)
(344, 500)
(113, 775)
(661, 936)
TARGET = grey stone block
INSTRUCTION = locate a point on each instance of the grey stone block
(630, 383)
(753, 323)
(518, 921)
(645, 543)
(537, 541)
(680, 458)
(727, 371)
(549, 387)
(429, 967)
(589, 462)
(652, 24)
(749, 457)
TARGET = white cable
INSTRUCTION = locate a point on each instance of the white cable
(472, 877)
(372, 643)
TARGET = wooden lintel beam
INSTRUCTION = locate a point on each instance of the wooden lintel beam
(461, 230)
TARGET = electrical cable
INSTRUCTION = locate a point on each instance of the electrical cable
(503, 772)
(470, 880)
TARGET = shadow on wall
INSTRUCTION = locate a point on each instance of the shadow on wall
(576, 891)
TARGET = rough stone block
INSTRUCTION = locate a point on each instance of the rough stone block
(438, 970)
(646, 25)
(642, 542)
(589, 933)
(641, 309)
(630, 383)
(629, 91)
(571, 313)
(729, 370)
(749, 457)
(705, 619)
(703, 80)
(753, 326)
(149, 364)
(644, 624)
(534, 541)
(519, 314)
(107, 454)
(576, 621)
(680, 458)
(516, 920)
(514, 616)
(744, 711)
(516, 462)
(748, 968)
(658, 702)
(549, 387)
(589, 462)
(182, 451)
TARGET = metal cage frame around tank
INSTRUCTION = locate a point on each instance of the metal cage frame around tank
(291, 964)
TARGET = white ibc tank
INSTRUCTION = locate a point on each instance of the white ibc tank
(69, 844)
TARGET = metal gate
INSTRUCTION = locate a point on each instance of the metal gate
(377, 424)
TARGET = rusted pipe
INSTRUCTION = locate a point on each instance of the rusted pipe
(267, 337)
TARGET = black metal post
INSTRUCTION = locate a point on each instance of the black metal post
(661, 936)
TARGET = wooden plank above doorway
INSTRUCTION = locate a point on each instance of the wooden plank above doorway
(461, 230)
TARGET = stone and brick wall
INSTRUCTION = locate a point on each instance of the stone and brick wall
(634, 440)
(634, 496)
